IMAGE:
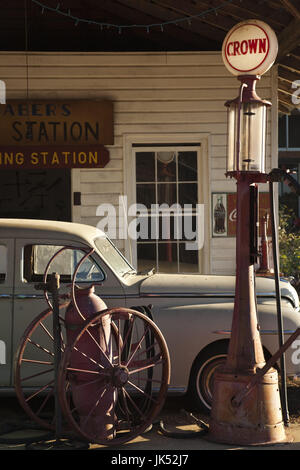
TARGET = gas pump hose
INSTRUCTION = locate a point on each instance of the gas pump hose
(276, 175)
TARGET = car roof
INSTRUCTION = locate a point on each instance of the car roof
(27, 228)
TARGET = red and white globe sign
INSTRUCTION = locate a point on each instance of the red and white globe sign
(250, 48)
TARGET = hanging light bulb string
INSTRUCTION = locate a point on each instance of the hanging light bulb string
(120, 28)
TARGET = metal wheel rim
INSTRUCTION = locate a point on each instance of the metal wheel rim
(23, 357)
(205, 392)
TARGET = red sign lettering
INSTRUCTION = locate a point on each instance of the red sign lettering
(251, 46)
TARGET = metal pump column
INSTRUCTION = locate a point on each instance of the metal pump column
(256, 418)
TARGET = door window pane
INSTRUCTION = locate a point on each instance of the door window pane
(187, 166)
(166, 181)
(166, 166)
(146, 254)
(167, 257)
(145, 166)
(166, 193)
(188, 262)
(145, 194)
(188, 193)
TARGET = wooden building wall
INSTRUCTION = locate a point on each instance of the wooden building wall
(156, 96)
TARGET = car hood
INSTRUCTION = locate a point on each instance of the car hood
(205, 285)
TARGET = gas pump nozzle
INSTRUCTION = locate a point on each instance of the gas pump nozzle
(278, 174)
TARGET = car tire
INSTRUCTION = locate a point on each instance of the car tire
(201, 378)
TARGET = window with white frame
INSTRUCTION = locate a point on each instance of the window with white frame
(3, 263)
(289, 159)
(167, 204)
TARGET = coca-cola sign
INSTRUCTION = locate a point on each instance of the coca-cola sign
(224, 214)
(250, 48)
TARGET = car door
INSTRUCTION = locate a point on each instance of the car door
(6, 309)
(32, 256)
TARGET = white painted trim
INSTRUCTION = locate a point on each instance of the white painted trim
(204, 151)
(75, 187)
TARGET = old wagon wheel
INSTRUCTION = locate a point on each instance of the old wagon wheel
(118, 384)
(34, 367)
(85, 254)
(34, 360)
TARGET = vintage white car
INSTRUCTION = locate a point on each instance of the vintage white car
(193, 312)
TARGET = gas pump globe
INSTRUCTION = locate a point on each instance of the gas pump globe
(247, 118)
(242, 414)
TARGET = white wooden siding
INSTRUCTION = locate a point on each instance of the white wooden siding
(153, 93)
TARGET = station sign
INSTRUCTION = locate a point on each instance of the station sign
(53, 157)
(250, 48)
(46, 134)
(48, 122)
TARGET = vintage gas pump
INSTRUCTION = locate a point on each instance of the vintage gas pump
(249, 50)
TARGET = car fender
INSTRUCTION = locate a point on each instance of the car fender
(188, 329)
(191, 328)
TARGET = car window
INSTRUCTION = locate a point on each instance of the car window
(112, 256)
(3, 263)
(37, 257)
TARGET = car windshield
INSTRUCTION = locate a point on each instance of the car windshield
(112, 256)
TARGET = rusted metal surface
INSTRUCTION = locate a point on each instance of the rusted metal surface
(245, 349)
(257, 418)
(264, 267)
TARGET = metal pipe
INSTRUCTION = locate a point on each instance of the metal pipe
(54, 288)
(284, 400)
(239, 397)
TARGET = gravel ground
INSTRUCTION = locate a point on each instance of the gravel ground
(177, 416)
(177, 411)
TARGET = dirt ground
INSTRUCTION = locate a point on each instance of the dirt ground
(176, 413)
(293, 397)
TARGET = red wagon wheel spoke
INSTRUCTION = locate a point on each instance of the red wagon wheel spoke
(34, 361)
(143, 392)
(98, 345)
(97, 403)
(96, 363)
(137, 346)
(142, 415)
(43, 404)
(146, 366)
(41, 390)
(38, 346)
(133, 369)
(39, 374)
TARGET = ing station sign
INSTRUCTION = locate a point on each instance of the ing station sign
(55, 134)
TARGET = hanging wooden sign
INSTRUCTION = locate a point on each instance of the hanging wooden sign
(79, 122)
(52, 157)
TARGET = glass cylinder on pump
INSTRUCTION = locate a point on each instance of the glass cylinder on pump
(247, 118)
